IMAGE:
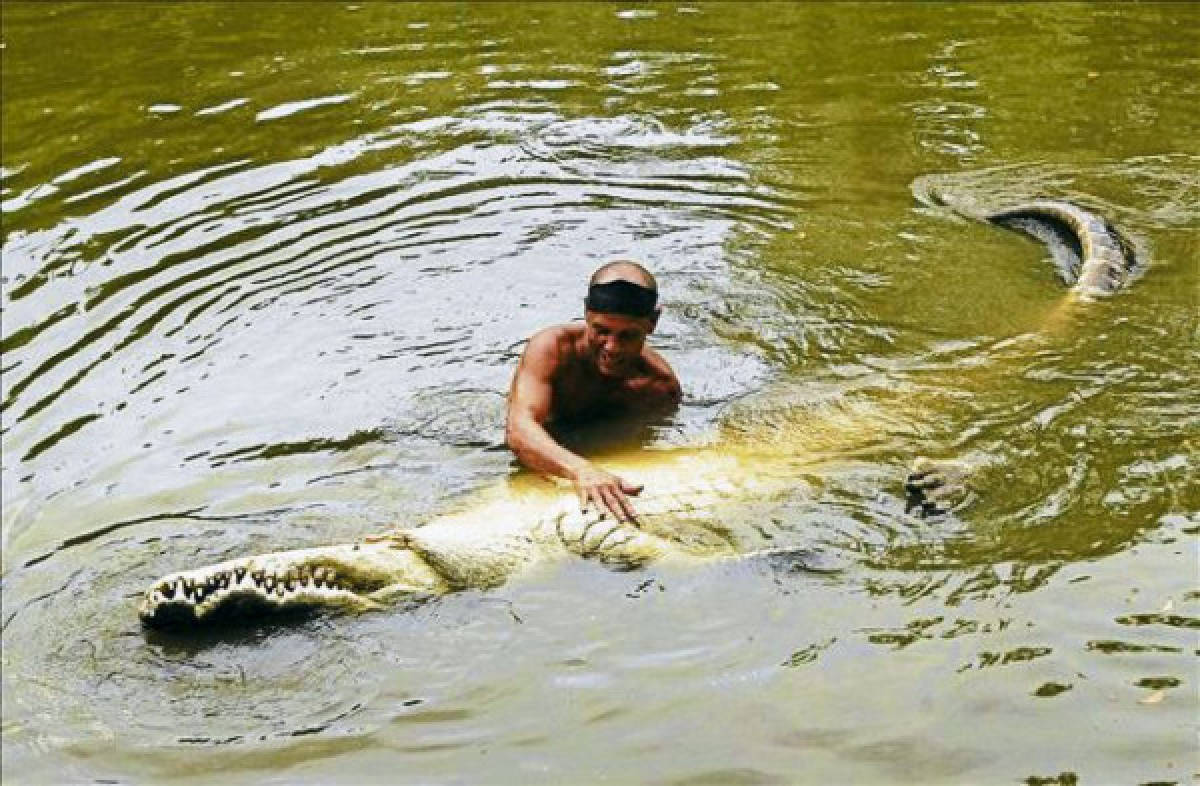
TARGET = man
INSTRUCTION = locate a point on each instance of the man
(577, 372)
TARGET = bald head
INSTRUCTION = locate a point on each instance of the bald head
(624, 270)
(623, 287)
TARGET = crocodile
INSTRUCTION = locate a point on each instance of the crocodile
(502, 532)
(701, 507)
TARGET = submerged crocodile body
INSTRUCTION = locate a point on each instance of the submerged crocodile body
(702, 508)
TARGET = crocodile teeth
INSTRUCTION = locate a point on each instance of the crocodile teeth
(239, 573)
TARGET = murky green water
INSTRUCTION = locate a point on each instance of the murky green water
(267, 268)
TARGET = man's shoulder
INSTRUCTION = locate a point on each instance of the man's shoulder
(552, 346)
(567, 330)
(557, 338)
(659, 378)
(656, 365)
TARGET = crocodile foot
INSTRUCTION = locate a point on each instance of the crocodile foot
(936, 487)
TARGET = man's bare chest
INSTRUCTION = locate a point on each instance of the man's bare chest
(578, 396)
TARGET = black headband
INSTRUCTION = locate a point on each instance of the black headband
(622, 297)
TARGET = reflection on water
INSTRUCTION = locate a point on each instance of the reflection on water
(266, 273)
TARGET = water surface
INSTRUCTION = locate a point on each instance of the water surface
(267, 269)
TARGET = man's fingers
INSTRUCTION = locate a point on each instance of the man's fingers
(630, 513)
(613, 501)
(609, 497)
(611, 504)
(621, 507)
(595, 495)
(601, 499)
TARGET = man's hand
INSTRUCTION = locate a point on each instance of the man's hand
(608, 491)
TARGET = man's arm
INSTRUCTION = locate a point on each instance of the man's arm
(529, 406)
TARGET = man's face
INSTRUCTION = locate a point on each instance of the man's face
(615, 340)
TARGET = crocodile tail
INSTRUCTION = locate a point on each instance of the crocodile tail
(1101, 259)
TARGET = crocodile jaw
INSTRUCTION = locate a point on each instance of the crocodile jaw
(351, 577)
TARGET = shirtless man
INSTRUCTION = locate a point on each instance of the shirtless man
(578, 371)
